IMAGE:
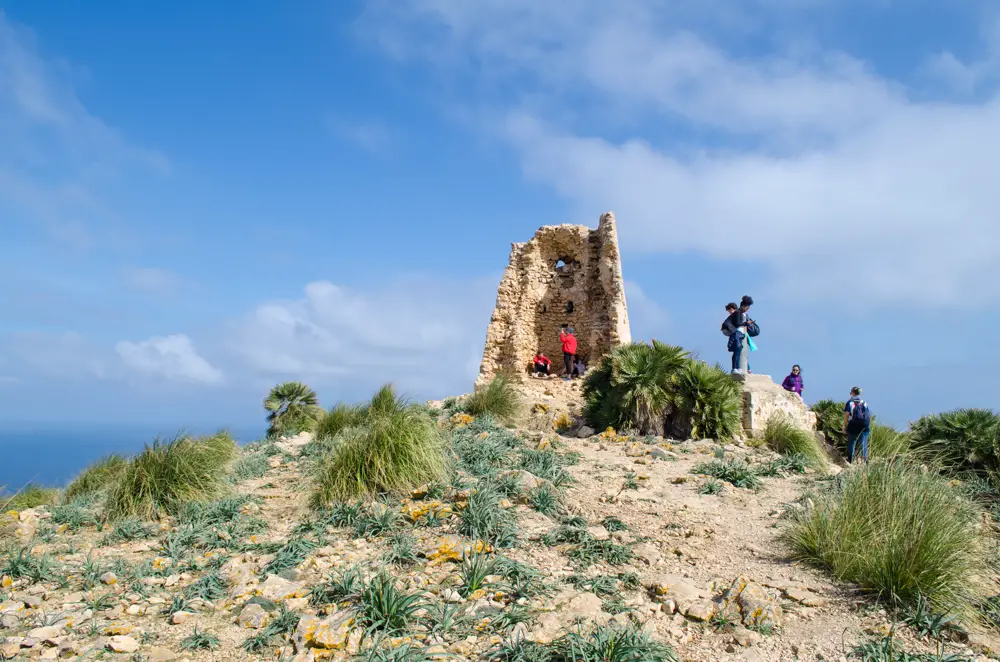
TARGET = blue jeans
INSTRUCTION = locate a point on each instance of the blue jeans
(738, 352)
(857, 441)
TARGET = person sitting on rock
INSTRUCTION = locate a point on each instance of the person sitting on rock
(568, 341)
(793, 382)
(542, 364)
(579, 367)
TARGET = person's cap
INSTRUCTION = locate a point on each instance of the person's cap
(746, 300)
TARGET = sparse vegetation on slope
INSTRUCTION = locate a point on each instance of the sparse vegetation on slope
(30, 496)
(899, 531)
(291, 408)
(498, 398)
(167, 474)
(395, 447)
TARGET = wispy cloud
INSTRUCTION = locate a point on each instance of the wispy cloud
(58, 159)
(369, 135)
(171, 357)
(153, 281)
(820, 170)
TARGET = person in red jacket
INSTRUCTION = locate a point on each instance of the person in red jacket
(568, 341)
(542, 364)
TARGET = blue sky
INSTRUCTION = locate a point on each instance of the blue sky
(197, 202)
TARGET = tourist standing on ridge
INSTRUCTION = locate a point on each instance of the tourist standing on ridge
(542, 364)
(857, 425)
(739, 340)
(568, 341)
(793, 382)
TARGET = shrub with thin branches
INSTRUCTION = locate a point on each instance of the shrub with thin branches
(886, 442)
(395, 448)
(899, 531)
(497, 398)
(167, 474)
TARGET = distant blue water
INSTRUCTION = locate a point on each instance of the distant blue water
(53, 456)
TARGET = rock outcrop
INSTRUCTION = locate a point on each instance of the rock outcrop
(566, 274)
(762, 399)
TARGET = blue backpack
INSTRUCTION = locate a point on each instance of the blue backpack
(861, 417)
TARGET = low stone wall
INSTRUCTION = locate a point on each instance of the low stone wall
(763, 398)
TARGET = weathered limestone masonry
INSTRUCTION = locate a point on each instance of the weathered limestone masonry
(762, 398)
(566, 274)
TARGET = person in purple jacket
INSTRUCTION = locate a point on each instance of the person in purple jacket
(793, 382)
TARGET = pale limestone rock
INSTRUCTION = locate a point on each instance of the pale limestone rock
(253, 616)
(763, 398)
(277, 589)
(123, 644)
(752, 604)
(535, 293)
(331, 633)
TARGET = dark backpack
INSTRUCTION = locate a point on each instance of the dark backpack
(725, 329)
(861, 417)
(752, 329)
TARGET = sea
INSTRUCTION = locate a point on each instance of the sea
(51, 457)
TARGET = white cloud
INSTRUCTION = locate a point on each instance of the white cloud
(58, 159)
(803, 163)
(427, 335)
(170, 357)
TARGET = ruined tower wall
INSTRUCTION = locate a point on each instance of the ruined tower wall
(562, 264)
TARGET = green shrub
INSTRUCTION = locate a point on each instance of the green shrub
(960, 440)
(738, 473)
(395, 448)
(291, 408)
(898, 530)
(339, 417)
(631, 387)
(784, 437)
(30, 496)
(830, 421)
(498, 398)
(705, 403)
(97, 477)
(606, 643)
(167, 474)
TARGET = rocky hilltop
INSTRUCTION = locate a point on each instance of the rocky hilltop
(596, 529)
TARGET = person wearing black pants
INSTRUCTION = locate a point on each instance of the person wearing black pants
(568, 341)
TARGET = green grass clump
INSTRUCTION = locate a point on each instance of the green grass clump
(735, 472)
(606, 643)
(30, 496)
(886, 442)
(167, 474)
(900, 531)
(498, 398)
(484, 518)
(97, 477)
(395, 448)
(250, 466)
(782, 436)
(340, 417)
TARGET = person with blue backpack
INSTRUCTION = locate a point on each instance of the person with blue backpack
(857, 425)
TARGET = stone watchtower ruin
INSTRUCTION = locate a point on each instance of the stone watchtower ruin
(566, 274)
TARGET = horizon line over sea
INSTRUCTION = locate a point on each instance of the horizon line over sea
(51, 455)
